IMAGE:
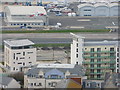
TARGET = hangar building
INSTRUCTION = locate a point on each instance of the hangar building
(34, 16)
(98, 9)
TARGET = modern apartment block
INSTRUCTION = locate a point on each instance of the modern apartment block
(19, 53)
(97, 56)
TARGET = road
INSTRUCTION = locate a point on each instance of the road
(58, 37)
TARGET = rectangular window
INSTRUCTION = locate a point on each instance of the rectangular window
(18, 53)
(77, 50)
(92, 65)
(111, 49)
(99, 65)
(92, 49)
(92, 60)
(20, 63)
(76, 55)
(98, 49)
(23, 53)
(77, 45)
(29, 52)
(14, 56)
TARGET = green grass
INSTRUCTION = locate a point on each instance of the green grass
(52, 45)
(54, 31)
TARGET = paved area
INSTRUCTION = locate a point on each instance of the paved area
(58, 37)
(51, 56)
(86, 22)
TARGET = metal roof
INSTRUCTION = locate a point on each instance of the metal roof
(26, 10)
(15, 43)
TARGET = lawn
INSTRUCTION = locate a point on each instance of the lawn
(54, 31)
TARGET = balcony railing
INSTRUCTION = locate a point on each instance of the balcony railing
(113, 67)
(112, 62)
(99, 57)
(99, 51)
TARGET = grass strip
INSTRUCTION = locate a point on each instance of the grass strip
(53, 31)
(52, 45)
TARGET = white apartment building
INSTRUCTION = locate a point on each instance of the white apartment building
(19, 53)
(77, 49)
(97, 56)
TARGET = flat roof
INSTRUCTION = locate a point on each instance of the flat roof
(16, 43)
(55, 66)
(99, 43)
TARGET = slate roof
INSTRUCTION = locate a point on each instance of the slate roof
(77, 70)
(5, 80)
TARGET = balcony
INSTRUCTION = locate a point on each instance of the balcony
(99, 51)
(99, 57)
(108, 67)
(97, 73)
(101, 62)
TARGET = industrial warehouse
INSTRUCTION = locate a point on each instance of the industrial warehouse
(22, 16)
(98, 9)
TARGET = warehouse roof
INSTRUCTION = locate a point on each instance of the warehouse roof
(84, 5)
(25, 10)
(15, 43)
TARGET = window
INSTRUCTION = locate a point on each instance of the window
(92, 49)
(117, 59)
(98, 76)
(98, 49)
(23, 63)
(13, 68)
(117, 65)
(34, 84)
(14, 56)
(92, 70)
(92, 60)
(117, 54)
(22, 58)
(98, 55)
(99, 65)
(23, 53)
(76, 55)
(98, 71)
(92, 65)
(112, 54)
(117, 70)
(31, 84)
(111, 49)
(40, 84)
(18, 53)
(92, 55)
(20, 63)
(77, 45)
(77, 50)
(29, 52)
(118, 49)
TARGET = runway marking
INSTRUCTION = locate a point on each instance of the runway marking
(112, 27)
(84, 20)
(76, 27)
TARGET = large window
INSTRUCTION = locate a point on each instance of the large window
(92, 49)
